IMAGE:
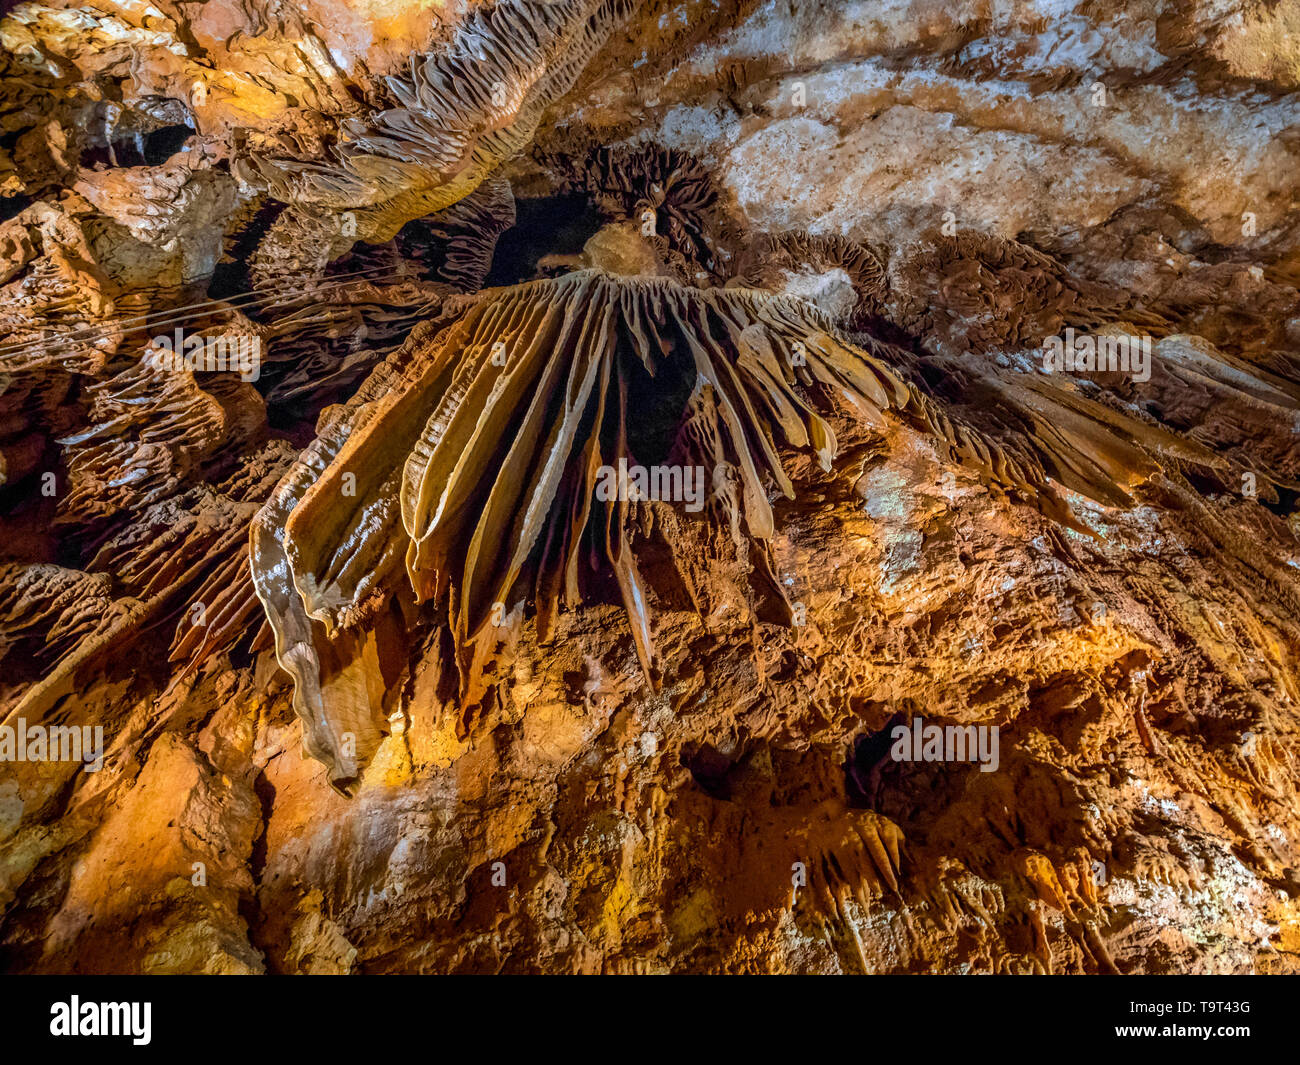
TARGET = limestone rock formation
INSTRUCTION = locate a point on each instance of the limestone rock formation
(636, 486)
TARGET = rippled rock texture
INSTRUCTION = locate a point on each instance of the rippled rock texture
(336, 637)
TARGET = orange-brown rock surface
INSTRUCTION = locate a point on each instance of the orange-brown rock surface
(322, 649)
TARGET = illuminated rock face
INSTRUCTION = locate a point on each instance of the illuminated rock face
(335, 346)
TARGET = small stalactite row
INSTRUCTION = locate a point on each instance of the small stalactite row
(666, 192)
(458, 114)
(466, 233)
(776, 254)
(975, 291)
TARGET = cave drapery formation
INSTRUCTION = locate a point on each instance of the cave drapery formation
(481, 253)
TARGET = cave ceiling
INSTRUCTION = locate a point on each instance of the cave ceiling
(611, 486)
